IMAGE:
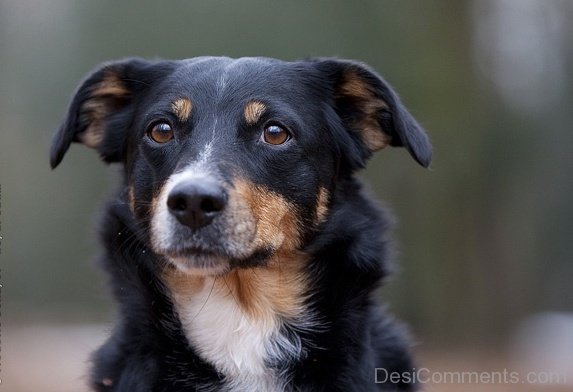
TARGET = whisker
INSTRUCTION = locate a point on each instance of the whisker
(206, 300)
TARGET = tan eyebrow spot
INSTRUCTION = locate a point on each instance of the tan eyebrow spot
(182, 108)
(253, 111)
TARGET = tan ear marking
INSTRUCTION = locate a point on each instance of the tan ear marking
(112, 85)
(93, 135)
(355, 87)
(369, 104)
(105, 96)
(182, 108)
(254, 111)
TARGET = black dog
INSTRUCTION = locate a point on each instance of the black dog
(241, 248)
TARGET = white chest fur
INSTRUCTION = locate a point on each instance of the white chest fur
(238, 345)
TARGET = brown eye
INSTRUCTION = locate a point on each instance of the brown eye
(275, 134)
(160, 133)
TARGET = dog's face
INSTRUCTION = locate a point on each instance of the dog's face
(231, 162)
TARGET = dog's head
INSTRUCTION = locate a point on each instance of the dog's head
(229, 162)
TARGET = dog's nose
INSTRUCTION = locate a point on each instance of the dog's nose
(195, 203)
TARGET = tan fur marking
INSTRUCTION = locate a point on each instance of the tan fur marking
(181, 284)
(182, 108)
(131, 198)
(354, 86)
(111, 84)
(276, 289)
(92, 136)
(155, 199)
(322, 205)
(373, 136)
(105, 96)
(253, 112)
(277, 223)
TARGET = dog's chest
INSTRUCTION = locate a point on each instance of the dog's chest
(239, 346)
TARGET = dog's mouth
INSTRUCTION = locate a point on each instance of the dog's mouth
(202, 261)
(199, 261)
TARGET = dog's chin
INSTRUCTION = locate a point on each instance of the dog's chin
(201, 264)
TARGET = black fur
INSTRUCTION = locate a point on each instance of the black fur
(148, 350)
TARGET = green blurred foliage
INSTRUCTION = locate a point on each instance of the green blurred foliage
(485, 236)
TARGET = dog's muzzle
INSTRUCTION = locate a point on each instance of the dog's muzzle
(202, 224)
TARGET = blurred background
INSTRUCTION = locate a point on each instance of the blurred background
(485, 237)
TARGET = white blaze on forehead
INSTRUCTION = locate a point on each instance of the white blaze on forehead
(197, 169)
(203, 159)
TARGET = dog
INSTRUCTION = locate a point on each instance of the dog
(242, 250)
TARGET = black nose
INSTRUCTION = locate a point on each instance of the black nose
(196, 202)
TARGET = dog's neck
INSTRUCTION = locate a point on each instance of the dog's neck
(239, 322)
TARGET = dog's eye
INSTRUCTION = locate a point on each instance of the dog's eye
(160, 133)
(275, 134)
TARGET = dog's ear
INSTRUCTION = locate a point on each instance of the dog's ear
(371, 110)
(101, 110)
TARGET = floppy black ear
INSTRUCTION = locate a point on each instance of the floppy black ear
(372, 112)
(101, 110)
